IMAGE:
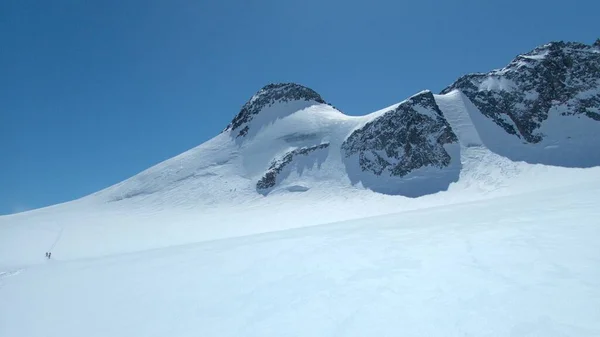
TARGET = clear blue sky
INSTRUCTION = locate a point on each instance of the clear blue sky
(92, 92)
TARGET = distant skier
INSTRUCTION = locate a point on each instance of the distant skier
(49, 254)
(46, 254)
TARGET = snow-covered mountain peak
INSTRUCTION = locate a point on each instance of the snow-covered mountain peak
(289, 159)
(542, 108)
(273, 101)
(550, 95)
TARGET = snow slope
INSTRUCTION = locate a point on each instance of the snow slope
(525, 265)
(300, 220)
(210, 192)
(543, 107)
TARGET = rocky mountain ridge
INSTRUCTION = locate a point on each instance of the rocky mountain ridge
(562, 76)
(403, 139)
(269, 95)
(542, 108)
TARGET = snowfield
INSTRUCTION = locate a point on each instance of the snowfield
(524, 265)
(495, 245)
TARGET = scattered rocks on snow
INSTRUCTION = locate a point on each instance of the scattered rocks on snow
(269, 180)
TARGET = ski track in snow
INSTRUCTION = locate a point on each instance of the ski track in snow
(4, 274)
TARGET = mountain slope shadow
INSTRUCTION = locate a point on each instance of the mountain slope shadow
(409, 150)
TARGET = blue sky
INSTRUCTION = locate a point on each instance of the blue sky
(92, 92)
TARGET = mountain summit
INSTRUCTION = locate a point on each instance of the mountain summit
(542, 108)
(546, 100)
(275, 100)
(556, 78)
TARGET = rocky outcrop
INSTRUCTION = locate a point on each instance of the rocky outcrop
(268, 96)
(269, 180)
(404, 139)
(559, 75)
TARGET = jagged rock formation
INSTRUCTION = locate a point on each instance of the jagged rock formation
(403, 139)
(559, 75)
(268, 96)
(269, 180)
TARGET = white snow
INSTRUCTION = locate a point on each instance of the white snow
(569, 140)
(426, 112)
(457, 115)
(536, 57)
(531, 95)
(493, 83)
(594, 92)
(189, 248)
(523, 265)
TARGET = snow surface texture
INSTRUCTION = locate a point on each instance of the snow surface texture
(474, 233)
(523, 265)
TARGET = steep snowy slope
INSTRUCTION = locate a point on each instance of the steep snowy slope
(544, 107)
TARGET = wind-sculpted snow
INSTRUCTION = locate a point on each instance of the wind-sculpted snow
(559, 78)
(268, 96)
(280, 166)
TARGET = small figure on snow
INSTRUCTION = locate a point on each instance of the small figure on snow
(49, 254)
(46, 254)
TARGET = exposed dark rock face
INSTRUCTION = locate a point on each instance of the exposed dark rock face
(267, 96)
(518, 98)
(269, 180)
(404, 139)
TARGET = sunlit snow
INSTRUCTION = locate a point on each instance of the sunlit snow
(189, 248)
